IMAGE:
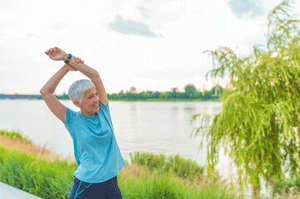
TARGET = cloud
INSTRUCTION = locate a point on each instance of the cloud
(7, 23)
(243, 7)
(3, 34)
(131, 27)
(173, 73)
(33, 36)
(57, 26)
(145, 12)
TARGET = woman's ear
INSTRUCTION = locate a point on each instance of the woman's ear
(76, 103)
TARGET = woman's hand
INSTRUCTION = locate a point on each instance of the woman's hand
(57, 54)
(78, 61)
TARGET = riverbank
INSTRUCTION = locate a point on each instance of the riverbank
(36, 169)
(15, 141)
(54, 179)
(43, 174)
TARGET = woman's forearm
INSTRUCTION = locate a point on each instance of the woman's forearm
(83, 68)
(52, 83)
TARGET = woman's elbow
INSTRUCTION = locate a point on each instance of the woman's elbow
(95, 74)
(42, 91)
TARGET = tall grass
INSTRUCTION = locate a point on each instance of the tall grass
(148, 176)
(46, 179)
(54, 179)
(184, 168)
(158, 184)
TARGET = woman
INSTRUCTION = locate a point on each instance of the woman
(95, 148)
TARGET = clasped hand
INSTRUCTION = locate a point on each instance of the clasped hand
(58, 54)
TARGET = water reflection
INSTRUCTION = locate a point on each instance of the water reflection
(175, 109)
(132, 108)
(190, 109)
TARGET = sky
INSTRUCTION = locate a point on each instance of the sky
(153, 45)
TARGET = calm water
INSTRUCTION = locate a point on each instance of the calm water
(157, 127)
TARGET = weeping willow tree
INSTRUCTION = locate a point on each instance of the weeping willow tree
(259, 122)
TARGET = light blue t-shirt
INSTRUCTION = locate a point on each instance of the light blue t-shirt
(96, 150)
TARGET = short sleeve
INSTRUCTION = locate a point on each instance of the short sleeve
(70, 114)
(105, 111)
(103, 106)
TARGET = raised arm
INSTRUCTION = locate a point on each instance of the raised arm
(57, 108)
(58, 54)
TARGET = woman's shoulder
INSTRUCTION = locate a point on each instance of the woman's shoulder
(71, 115)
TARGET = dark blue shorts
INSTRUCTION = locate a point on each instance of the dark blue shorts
(104, 190)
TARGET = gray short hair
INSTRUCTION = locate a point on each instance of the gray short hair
(76, 90)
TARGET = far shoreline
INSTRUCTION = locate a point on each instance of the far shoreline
(139, 100)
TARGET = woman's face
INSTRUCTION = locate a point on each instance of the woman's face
(90, 102)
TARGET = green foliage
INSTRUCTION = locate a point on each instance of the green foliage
(190, 93)
(284, 187)
(14, 135)
(35, 175)
(259, 122)
(184, 168)
(160, 185)
(54, 179)
(157, 185)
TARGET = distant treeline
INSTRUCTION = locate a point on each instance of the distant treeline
(190, 92)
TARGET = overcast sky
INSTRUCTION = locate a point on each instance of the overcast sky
(149, 44)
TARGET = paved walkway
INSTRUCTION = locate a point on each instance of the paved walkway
(9, 192)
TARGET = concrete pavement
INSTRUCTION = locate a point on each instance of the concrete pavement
(9, 192)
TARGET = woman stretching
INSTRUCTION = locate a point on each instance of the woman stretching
(96, 151)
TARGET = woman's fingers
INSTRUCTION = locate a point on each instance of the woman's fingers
(78, 60)
(51, 50)
(48, 51)
(51, 53)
